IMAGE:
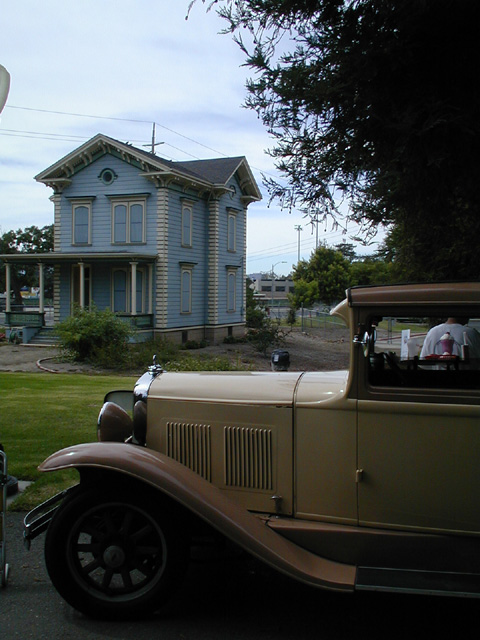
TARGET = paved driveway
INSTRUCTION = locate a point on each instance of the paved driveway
(227, 598)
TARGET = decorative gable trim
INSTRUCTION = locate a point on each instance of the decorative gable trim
(202, 175)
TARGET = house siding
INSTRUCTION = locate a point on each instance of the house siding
(87, 183)
(180, 256)
(161, 270)
(228, 258)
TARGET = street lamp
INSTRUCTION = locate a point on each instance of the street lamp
(273, 274)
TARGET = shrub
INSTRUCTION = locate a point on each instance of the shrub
(268, 335)
(234, 340)
(291, 316)
(88, 332)
(195, 344)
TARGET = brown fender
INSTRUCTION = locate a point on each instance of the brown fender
(209, 503)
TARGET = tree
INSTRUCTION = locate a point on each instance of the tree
(29, 240)
(372, 101)
(347, 250)
(324, 277)
(371, 270)
(254, 315)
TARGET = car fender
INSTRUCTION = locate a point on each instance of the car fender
(209, 503)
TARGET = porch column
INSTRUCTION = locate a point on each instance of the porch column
(150, 289)
(82, 285)
(133, 266)
(41, 302)
(8, 286)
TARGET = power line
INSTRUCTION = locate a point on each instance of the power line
(138, 121)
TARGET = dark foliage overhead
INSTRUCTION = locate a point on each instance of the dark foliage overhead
(373, 102)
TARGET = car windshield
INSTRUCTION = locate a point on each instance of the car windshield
(425, 352)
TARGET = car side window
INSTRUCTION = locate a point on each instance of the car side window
(429, 353)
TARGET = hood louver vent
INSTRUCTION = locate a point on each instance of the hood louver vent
(190, 445)
(248, 458)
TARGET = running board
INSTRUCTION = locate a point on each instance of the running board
(435, 583)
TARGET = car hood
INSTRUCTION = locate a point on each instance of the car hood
(256, 388)
(245, 387)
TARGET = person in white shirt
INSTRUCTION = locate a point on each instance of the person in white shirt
(460, 333)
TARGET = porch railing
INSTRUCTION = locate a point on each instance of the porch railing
(139, 321)
(24, 319)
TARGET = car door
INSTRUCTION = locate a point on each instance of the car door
(419, 450)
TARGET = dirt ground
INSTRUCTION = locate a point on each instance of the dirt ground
(326, 350)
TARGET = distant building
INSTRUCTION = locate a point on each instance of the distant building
(276, 290)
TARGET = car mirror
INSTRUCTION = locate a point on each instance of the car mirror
(124, 399)
(367, 341)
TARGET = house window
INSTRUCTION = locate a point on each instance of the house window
(231, 291)
(128, 222)
(231, 232)
(187, 220)
(186, 290)
(140, 291)
(120, 291)
(76, 284)
(81, 223)
(107, 176)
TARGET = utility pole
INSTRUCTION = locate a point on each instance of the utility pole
(299, 229)
(153, 143)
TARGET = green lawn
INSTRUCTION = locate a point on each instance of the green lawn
(41, 413)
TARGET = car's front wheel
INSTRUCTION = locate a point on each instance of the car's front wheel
(116, 554)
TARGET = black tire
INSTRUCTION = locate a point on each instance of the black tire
(115, 554)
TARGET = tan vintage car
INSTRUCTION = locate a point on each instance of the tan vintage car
(366, 479)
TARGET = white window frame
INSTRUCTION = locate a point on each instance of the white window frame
(231, 290)
(187, 210)
(141, 273)
(232, 230)
(128, 284)
(128, 203)
(186, 269)
(87, 204)
(75, 284)
(127, 290)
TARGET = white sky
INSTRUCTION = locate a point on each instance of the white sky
(130, 63)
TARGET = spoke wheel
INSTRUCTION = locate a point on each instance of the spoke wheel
(112, 556)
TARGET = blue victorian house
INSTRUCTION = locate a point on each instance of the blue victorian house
(161, 243)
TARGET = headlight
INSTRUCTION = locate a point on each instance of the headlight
(114, 424)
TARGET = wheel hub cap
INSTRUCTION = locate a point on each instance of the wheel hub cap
(113, 557)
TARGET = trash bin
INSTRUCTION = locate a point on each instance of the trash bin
(280, 360)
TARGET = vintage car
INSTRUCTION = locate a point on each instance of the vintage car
(364, 479)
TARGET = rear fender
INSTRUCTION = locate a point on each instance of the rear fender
(209, 503)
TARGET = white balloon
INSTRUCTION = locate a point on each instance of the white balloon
(4, 86)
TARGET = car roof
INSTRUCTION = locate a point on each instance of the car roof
(421, 294)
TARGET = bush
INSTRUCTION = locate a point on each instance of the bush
(90, 333)
(195, 344)
(268, 335)
(291, 316)
(234, 340)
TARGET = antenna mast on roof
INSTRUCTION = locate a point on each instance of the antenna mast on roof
(153, 143)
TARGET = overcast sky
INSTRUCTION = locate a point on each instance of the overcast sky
(84, 67)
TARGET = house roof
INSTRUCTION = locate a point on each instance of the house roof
(209, 173)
